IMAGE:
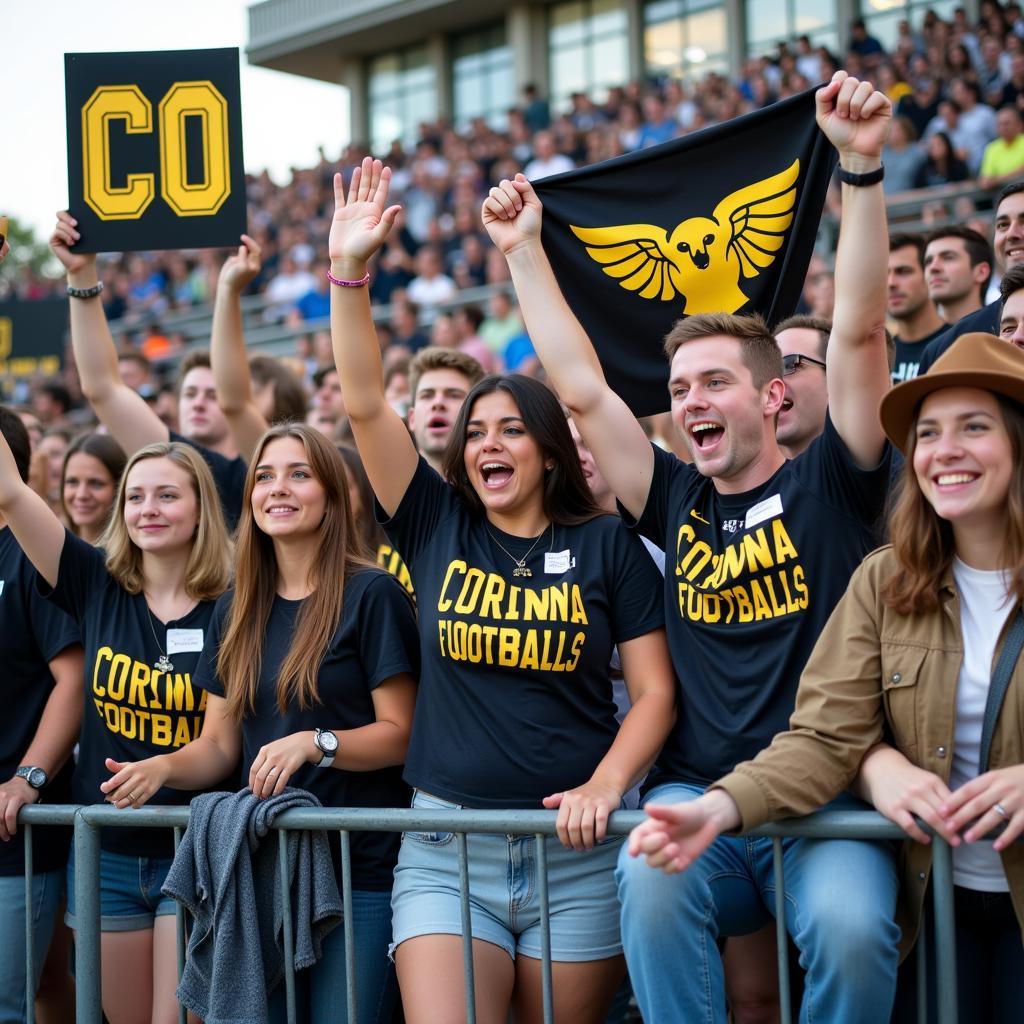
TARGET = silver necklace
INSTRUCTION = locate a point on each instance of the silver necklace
(163, 663)
(521, 568)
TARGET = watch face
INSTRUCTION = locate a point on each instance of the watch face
(36, 778)
(327, 741)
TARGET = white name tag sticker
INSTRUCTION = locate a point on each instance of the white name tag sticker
(764, 510)
(180, 640)
(556, 561)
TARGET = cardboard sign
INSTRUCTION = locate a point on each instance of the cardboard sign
(155, 149)
(32, 337)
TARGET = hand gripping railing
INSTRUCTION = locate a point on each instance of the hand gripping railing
(87, 822)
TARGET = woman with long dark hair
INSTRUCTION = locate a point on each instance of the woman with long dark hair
(309, 674)
(910, 693)
(523, 587)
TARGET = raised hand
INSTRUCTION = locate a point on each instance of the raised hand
(64, 236)
(361, 222)
(240, 268)
(512, 214)
(675, 835)
(133, 782)
(990, 800)
(855, 118)
(583, 813)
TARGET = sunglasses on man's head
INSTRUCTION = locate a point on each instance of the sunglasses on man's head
(790, 363)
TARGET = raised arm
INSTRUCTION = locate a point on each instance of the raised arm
(855, 118)
(228, 359)
(360, 225)
(131, 422)
(512, 215)
(35, 527)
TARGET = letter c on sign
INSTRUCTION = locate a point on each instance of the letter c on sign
(114, 103)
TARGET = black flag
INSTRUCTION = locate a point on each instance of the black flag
(723, 220)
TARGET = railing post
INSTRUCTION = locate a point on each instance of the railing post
(467, 929)
(88, 988)
(547, 994)
(289, 939)
(351, 996)
(179, 924)
(945, 931)
(30, 943)
(781, 934)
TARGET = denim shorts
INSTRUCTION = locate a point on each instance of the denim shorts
(130, 896)
(504, 897)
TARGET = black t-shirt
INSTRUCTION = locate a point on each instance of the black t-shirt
(515, 698)
(132, 711)
(750, 580)
(375, 640)
(985, 320)
(908, 355)
(228, 475)
(33, 633)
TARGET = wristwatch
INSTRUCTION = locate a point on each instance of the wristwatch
(35, 777)
(327, 742)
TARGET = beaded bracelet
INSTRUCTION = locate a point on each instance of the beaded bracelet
(348, 284)
(85, 293)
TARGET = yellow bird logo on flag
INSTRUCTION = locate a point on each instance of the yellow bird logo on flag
(704, 258)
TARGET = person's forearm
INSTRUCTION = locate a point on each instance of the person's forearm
(58, 728)
(198, 764)
(380, 744)
(227, 353)
(354, 339)
(638, 742)
(860, 274)
(876, 764)
(565, 351)
(93, 344)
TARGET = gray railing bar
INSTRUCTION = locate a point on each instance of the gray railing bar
(286, 911)
(88, 990)
(547, 994)
(945, 934)
(467, 926)
(179, 924)
(921, 954)
(781, 934)
(30, 944)
(349, 925)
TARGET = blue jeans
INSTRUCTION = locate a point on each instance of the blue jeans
(47, 893)
(840, 907)
(320, 990)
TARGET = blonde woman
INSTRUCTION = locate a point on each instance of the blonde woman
(143, 601)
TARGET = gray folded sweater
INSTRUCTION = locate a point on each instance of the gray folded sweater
(228, 880)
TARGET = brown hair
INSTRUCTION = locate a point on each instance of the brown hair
(807, 323)
(758, 347)
(369, 530)
(208, 569)
(197, 357)
(290, 400)
(240, 656)
(1012, 282)
(923, 542)
(101, 447)
(976, 245)
(434, 358)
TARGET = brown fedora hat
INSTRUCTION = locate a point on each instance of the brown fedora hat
(972, 361)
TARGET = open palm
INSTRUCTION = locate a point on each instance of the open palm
(361, 221)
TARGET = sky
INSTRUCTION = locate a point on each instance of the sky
(284, 117)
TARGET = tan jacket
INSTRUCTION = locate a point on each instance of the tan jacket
(878, 675)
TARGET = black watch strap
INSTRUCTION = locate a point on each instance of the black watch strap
(860, 180)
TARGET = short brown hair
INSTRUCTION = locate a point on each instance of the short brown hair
(197, 357)
(909, 240)
(758, 347)
(807, 323)
(1012, 282)
(434, 358)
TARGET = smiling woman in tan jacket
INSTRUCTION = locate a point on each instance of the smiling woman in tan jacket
(899, 698)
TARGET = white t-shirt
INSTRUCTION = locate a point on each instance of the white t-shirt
(984, 608)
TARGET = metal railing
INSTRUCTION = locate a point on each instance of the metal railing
(88, 820)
